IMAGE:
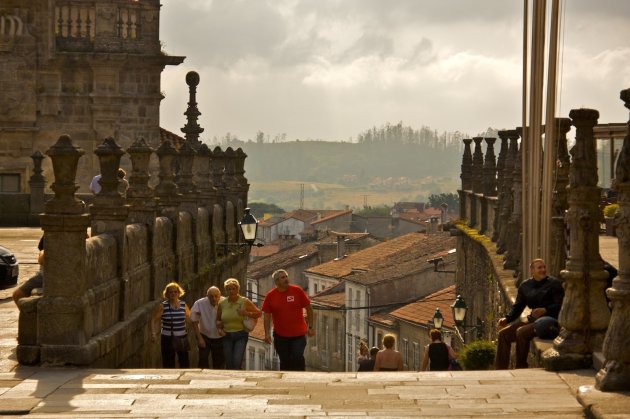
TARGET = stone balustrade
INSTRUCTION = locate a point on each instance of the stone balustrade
(99, 292)
(490, 233)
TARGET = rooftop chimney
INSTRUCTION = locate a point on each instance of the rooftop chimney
(341, 246)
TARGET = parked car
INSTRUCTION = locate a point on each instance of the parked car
(9, 268)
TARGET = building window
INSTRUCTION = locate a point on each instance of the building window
(9, 182)
(416, 356)
(314, 338)
(405, 353)
(338, 335)
(379, 340)
(357, 313)
(315, 288)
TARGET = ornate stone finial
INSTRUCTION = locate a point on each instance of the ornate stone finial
(615, 375)
(37, 157)
(166, 188)
(65, 159)
(109, 154)
(477, 167)
(186, 157)
(467, 162)
(229, 176)
(489, 180)
(202, 177)
(508, 183)
(140, 154)
(513, 233)
(218, 166)
(240, 167)
(192, 128)
(585, 173)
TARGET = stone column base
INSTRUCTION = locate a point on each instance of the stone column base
(615, 376)
(28, 354)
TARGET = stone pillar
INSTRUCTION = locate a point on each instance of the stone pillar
(140, 197)
(477, 167)
(167, 191)
(466, 177)
(513, 231)
(202, 176)
(229, 176)
(489, 182)
(559, 202)
(584, 315)
(217, 164)
(508, 184)
(64, 325)
(477, 186)
(615, 375)
(192, 128)
(37, 184)
(109, 211)
(240, 174)
(500, 180)
(186, 186)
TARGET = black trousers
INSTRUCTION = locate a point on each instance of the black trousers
(291, 352)
(168, 354)
(213, 347)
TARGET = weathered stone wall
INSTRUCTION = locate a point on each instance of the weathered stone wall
(100, 292)
(487, 288)
(89, 84)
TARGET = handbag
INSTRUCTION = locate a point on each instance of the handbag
(249, 323)
(179, 343)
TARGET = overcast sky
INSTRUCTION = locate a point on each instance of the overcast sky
(329, 69)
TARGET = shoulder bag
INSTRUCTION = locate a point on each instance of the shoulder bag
(249, 323)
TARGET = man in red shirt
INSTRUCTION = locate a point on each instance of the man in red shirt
(285, 304)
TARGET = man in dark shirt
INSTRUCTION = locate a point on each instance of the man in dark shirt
(543, 295)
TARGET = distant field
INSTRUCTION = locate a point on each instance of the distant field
(286, 194)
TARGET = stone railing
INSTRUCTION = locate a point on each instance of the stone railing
(489, 247)
(106, 26)
(99, 292)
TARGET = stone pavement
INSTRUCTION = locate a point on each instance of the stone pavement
(63, 393)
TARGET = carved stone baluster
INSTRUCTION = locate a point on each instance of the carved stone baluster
(584, 315)
(167, 191)
(500, 180)
(615, 375)
(559, 202)
(508, 184)
(140, 196)
(466, 177)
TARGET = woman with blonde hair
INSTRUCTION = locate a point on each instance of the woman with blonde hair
(174, 314)
(230, 315)
(388, 359)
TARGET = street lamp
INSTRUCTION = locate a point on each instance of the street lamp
(249, 227)
(438, 319)
(459, 310)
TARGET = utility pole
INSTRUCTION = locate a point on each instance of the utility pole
(301, 196)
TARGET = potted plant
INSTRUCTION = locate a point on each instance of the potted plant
(478, 355)
(609, 217)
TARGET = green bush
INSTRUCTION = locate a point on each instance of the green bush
(478, 355)
(610, 210)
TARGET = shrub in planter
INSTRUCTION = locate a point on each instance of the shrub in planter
(478, 355)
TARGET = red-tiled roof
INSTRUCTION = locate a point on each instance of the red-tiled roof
(383, 318)
(259, 330)
(331, 216)
(175, 139)
(281, 260)
(337, 299)
(264, 251)
(394, 258)
(422, 311)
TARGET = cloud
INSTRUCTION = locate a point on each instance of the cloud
(332, 68)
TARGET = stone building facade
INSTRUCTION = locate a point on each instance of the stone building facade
(87, 69)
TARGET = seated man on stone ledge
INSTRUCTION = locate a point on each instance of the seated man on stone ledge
(543, 295)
